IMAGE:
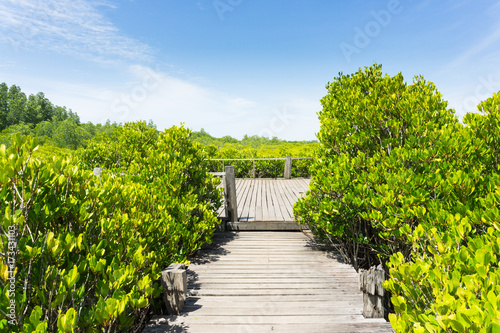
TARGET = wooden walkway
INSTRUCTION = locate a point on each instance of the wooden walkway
(269, 282)
(267, 204)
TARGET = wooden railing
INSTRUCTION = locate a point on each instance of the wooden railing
(287, 174)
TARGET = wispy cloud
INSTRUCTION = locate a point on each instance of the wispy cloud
(479, 47)
(148, 93)
(72, 27)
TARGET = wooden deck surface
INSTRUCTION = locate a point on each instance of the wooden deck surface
(267, 204)
(268, 199)
(269, 282)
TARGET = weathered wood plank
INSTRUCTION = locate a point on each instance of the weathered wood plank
(269, 282)
(268, 199)
(252, 202)
(265, 204)
(162, 325)
(277, 207)
(273, 215)
(262, 318)
(258, 207)
(278, 192)
(264, 225)
(308, 300)
(243, 198)
(294, 309)
(286, 199)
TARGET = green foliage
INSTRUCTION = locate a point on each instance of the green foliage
(67, 133)
(256, 147)
(399, 181)
(10, 132)
(4, 108)
(454, 271)
(88, 253)
(36, 115)
(16, 106)
(120, 147)
(375, 137)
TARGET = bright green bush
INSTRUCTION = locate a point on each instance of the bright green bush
(87, 252)
(120, 147)
(452, 281)
(375, 147)
(399, 181)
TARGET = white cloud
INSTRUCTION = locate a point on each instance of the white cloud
(477, 49)
(73, 27)
(132, 92)
(167, 100)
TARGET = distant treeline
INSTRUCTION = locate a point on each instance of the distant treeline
(254, 141)
(57, 126)
(35, 115)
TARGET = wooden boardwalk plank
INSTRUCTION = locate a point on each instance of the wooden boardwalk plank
(288, 198)
(269, 282)
(265, 204)
(242, 198)
(267, 199)
(284, 204)
(252, 202)
(258, 206)
(278, 216)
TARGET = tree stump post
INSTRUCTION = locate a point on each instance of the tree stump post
(370, 282)
(230, 193)
(288, 168)
(174, 284)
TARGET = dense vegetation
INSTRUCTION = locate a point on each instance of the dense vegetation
(398, 180)
(79, 254)
(35, 115)
(251, 147)
(59, 131)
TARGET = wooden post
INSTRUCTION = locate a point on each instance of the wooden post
(288, 168)
(253, 169)
(230, 193)
(174, 284)
(370, 282)
(97, 172)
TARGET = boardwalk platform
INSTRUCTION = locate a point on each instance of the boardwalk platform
(269, 282)
(267, 204)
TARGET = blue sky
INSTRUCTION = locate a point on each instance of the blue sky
(236, 67)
